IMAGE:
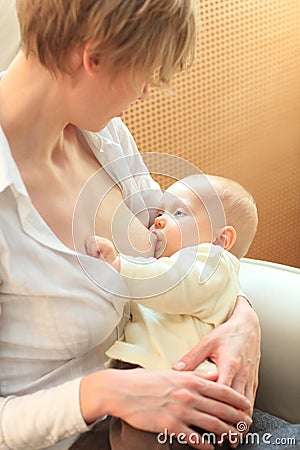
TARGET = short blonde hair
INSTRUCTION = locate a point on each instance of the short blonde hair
(151, 35)
(240, 211)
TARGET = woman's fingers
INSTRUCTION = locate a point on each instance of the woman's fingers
(228, 370)
(221, 393)
(195, 356)
(222, 412)
(216, 432)
(249, 388)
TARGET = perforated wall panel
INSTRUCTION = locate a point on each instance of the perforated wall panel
(236, 113)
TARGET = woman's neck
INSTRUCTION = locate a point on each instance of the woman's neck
(33, 111)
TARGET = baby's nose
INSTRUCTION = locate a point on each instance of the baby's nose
(159, 223)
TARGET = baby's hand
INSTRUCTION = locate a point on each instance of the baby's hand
(100, 247)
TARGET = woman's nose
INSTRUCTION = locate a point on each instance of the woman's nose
(159, 223)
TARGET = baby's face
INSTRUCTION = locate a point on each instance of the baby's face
(182, 221)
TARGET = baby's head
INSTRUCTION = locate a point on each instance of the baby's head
(206, 208)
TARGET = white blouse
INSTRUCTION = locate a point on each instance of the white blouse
(56, 322)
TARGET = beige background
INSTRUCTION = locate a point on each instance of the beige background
(237, 113)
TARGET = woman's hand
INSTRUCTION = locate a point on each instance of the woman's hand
(156, 401)
(235, 348)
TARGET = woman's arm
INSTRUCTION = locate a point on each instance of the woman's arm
(148, 400)
(41, 419)
(235, 348)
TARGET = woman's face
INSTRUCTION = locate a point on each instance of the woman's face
(125, 91)
(104, 96)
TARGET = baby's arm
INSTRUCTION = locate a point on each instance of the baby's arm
(102, 248)
(175, 287)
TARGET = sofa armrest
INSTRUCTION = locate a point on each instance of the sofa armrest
(274, 290)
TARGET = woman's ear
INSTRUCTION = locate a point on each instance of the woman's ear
(226, 237)
(90, 61)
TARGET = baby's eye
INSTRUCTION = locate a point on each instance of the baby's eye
(178, 213)
(159, 214)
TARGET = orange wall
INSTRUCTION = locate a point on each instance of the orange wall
(237, 113)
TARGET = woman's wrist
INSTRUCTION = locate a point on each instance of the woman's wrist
(243, 309)
(93, 396)
(244, 318)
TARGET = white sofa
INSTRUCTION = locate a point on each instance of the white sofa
(274, 290)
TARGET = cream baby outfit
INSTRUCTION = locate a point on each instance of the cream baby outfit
(189, 294)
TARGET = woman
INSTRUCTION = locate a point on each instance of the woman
(81, 64)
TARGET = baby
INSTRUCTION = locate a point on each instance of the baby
(204, 225)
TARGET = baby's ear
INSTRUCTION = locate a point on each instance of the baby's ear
(226, 237)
